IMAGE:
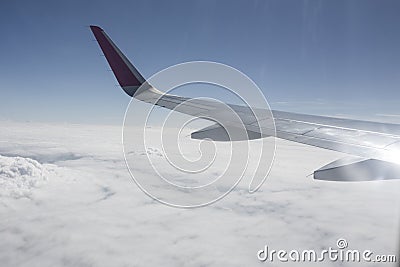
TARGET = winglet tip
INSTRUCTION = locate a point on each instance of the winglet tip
(95, 28)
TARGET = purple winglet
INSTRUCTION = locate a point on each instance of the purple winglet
(122, 68)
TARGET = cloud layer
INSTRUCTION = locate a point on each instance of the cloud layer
(86, 210)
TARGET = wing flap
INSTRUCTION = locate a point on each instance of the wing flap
(218, 133)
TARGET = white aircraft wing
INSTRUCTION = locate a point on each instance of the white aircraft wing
(374, 146)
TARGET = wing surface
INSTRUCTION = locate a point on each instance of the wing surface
(370, 140)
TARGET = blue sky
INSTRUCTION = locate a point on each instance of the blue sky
(324, 57)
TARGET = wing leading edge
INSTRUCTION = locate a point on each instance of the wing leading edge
(368, 140)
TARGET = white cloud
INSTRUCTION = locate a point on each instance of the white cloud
(88, 211)
(19, 175)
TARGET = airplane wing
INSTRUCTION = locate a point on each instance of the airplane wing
(375, 146)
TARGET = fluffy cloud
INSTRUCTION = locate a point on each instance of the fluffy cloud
(19, 175)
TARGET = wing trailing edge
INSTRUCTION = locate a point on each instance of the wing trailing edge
(218, 133)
